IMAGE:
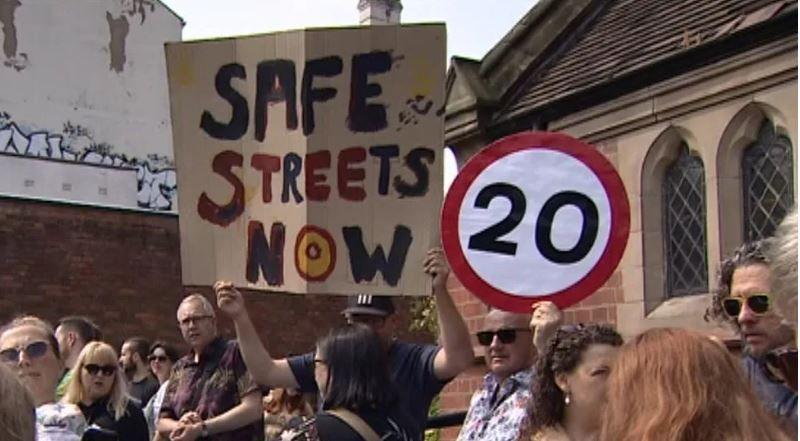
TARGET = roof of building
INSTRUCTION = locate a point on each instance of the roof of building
(561, 49)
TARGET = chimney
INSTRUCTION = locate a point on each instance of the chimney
(379, 12)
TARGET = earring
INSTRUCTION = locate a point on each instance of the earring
(566, 399)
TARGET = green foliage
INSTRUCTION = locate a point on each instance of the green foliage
(433, 435)
(423, 315)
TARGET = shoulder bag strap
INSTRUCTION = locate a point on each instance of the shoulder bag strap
(356, 423)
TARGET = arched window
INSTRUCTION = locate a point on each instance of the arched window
(684, 216)
(767, 182)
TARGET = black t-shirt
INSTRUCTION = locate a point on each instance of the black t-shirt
(131, 427)
(389, 425)
(411, 370)
(144, 390)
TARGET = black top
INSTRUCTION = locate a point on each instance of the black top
(411, 370)
(387, 424)
(131, 427)
(144, 389)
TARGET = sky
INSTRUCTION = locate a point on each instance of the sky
(473, 26)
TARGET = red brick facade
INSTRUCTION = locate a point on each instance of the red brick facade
(122, 269)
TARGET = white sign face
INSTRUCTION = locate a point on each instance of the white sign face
(535, 216)
(577, 207)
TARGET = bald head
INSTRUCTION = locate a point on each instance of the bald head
(510, 349)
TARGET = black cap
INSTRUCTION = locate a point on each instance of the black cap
(369, 305)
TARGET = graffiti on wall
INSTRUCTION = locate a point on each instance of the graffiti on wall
(155, 175)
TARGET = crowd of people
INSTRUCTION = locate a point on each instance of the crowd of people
(546, 381)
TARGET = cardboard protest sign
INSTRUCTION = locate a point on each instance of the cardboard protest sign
(310, 161)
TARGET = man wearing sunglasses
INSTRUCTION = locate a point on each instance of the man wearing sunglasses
(419, 372)
(744, 298)
(28, 348)
(500, 409)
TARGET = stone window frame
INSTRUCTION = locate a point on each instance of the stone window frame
(661, 154)
(741, 132)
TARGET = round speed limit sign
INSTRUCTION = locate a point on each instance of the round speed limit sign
(535, 216)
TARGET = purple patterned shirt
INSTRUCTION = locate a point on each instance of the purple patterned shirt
(212, 387)
(500, 412)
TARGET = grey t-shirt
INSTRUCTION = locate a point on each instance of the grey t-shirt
(144, 390)
(411, 370)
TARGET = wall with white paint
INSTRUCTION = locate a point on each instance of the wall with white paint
(85, 81)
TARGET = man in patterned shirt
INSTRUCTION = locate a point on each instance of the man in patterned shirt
(210, 394)
(500, 410)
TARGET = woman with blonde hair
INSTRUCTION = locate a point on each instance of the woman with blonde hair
(677, 385)
(98, 388)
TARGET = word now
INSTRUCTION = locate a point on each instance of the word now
(276, 82)
(348, 177)
(319, 254)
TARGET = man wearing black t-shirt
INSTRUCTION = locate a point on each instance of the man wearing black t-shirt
(419, 371)
(133, 360)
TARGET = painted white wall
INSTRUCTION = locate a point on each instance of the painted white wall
(60, 76)
(66, 180)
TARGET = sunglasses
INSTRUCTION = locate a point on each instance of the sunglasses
(158, 358)
(506, 336)
(758, 303)
(32, 350)
(107, 370)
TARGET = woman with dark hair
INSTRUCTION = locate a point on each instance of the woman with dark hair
(678, 385)
(162, 356)
(569, 390)
(358, 399)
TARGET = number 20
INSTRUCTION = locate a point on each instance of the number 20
(488, 239)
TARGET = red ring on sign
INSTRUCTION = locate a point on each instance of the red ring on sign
(609, 259)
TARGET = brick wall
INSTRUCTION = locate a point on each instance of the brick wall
(122, 269)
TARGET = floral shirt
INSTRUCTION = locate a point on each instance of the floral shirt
(500, 412)
(212, 387)
(59, 422)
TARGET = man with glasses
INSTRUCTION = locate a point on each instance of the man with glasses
(744, 299)
(501, 408)
(419, 372)
(210, 393)
(29, 349)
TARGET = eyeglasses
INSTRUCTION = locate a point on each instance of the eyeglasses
(158, 358)
(196, 319)
(107, 370)
(758, 303)
(506, 336)
(32, 350)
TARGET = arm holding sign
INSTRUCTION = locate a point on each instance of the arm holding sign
(456, 354)
(545, 321)
(263, 368)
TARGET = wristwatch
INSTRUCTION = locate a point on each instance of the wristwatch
(203, 430)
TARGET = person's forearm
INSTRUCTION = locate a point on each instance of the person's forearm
(165, 425)
(453, 333)
(248, 411)
(262, 367)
